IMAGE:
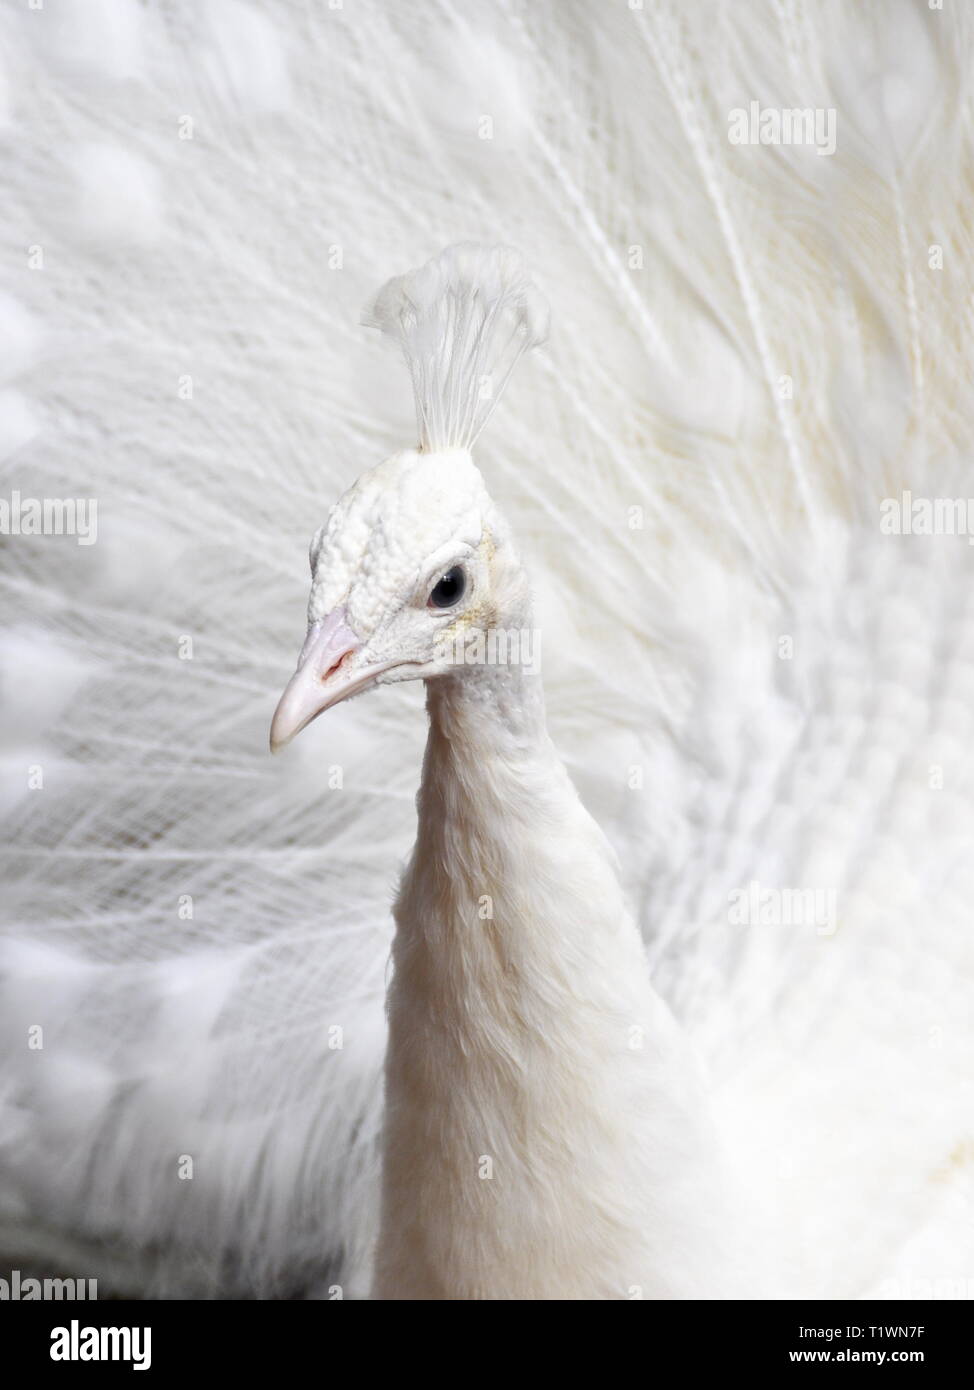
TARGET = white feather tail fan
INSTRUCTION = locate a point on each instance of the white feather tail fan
(462, 321)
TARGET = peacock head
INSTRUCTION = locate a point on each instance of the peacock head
(415, 555)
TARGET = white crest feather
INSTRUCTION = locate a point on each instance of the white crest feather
(462, 320)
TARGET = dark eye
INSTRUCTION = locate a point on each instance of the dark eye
(448, 590)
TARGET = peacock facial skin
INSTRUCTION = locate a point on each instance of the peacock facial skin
(375, 563)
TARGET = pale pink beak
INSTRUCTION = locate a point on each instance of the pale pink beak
(322, 679)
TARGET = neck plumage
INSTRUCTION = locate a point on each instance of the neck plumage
(534, 1081)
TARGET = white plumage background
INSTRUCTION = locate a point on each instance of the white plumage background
(751, 347)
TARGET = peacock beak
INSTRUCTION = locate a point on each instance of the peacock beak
(322, 679)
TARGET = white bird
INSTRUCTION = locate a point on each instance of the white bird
(545, 1135)
(734, 472)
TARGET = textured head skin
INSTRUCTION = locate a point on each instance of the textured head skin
(388, 541)
(401, 523)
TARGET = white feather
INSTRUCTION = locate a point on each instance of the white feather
(462, 321)
(680, 513)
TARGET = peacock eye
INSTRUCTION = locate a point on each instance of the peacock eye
(449, 589)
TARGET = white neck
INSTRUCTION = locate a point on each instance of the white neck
(536, 1092)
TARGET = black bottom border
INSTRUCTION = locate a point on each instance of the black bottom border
(260, 1337)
